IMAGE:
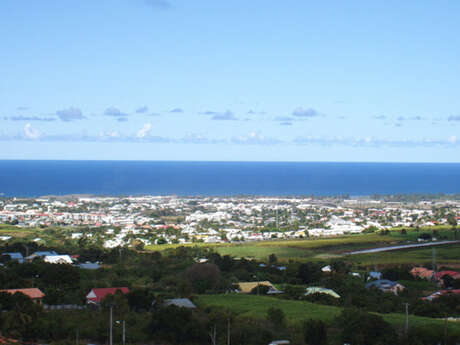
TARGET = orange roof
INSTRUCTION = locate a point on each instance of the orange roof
(32, 292)
(421, 272)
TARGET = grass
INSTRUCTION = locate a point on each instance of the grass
(445, 255)
(13, 231)
(297, 311)
(324, 249)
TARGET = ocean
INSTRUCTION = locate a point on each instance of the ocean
(38, 178)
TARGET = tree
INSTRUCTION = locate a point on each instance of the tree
(362, 328)
(309, 272)
(203, 277)
(452, 220)
(276, 317)
(315, 332)
(176, 325)
(272, 259)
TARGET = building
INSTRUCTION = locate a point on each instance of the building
(247, 287)
(96, 295)
(58, 259)
(314, 290)
(33, 293)
(180, 302)
(386, 285)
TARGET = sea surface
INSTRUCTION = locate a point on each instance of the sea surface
(38, 178)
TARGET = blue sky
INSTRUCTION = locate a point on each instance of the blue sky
(238, 80)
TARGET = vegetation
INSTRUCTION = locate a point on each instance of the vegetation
(207, 274)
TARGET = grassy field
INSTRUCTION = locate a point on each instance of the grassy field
(447, 255)
(298, 311)
(13, 231)
(324, 249)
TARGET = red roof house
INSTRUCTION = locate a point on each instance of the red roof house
(441, 293)
(97, 295)
(453, 274)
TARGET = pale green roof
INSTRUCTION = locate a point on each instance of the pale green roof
(313, 290)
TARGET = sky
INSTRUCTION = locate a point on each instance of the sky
(259, 80)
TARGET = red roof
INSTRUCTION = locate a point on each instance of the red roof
(96, 295)
(441, 293)
(441, 274)
(33, 293)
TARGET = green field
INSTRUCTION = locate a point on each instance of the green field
(310, 249)
(298, 311)
(327, 248)
(15, 232)
(448, 255)
(324, 249)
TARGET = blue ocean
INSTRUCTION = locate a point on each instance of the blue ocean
(38, 178)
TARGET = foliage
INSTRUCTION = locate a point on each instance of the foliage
(276, 317)
(362, 328)
(315, 332)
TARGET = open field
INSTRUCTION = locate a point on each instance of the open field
(327, 248)
(298, 311)
(15, 232)
(323, 249)
(445, 255)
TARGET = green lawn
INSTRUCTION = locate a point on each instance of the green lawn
(297, 311)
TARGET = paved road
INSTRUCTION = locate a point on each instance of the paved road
(405, 246)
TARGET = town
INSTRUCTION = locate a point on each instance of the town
(245, 270)
(155, 220)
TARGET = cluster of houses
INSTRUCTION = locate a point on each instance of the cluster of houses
(50, 257)
(167, 219)
(439, 277)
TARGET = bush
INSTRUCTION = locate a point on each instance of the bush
(315, 332)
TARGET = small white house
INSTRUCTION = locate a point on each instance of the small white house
(58, 259)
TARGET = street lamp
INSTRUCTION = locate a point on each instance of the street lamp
(123, 323)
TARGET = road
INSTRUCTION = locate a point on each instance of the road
(405, 246)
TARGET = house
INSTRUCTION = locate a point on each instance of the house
(386, 285)
(313, 290)
(327, 269)
(375, 275)
(96, 295)
(441, 293)
(453, 274)
(58, 259)
(422, 272)
(40, 255)
(247, 287)
(180, 302)
(35, 294)
(15, 256)
(89, 265)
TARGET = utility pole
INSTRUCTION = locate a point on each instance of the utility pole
(111, 326)
(77, 340)
(124, 332)
(406, 326)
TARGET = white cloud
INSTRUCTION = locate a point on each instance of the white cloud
(31, 133)
(255, 139)
(110, 134)
(144, 131)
